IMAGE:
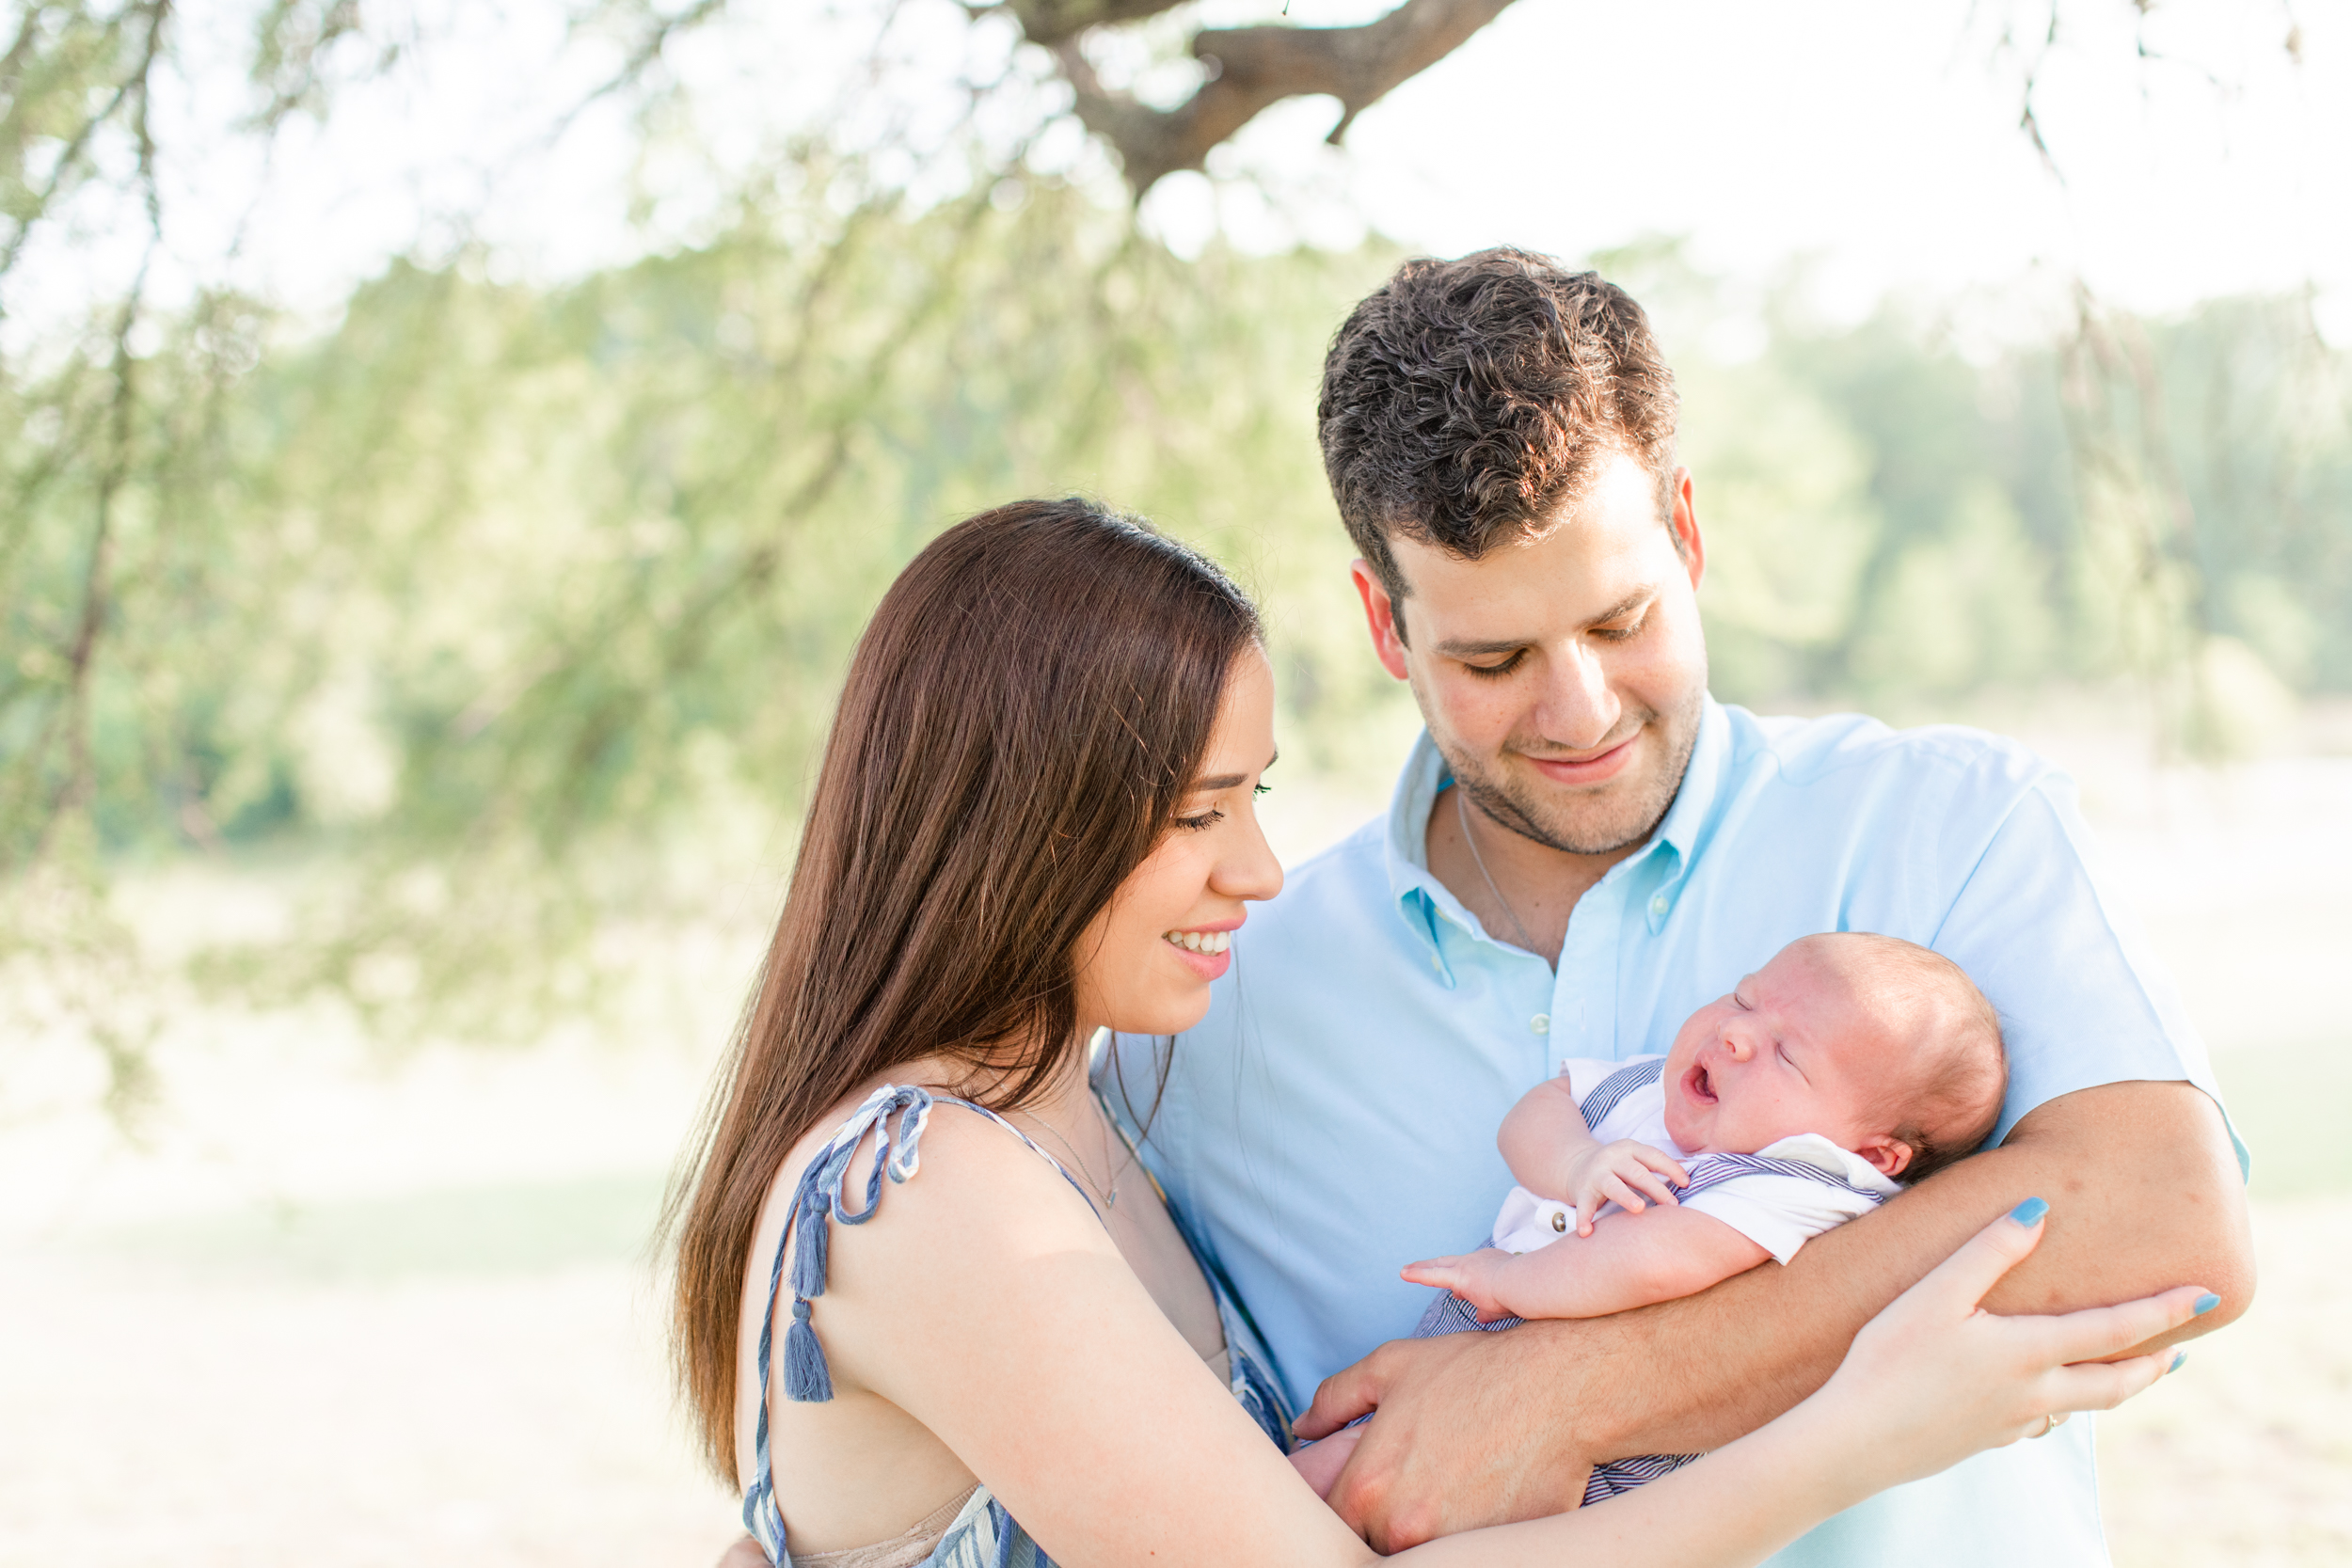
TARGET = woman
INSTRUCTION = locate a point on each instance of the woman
(1035, 819)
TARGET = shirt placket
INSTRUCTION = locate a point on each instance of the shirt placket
(1584, 988)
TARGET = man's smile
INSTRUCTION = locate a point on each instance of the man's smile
(1598, 768)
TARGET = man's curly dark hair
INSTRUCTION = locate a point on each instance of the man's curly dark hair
(1466, 403)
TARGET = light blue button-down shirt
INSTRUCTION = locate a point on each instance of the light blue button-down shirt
(1334, 1116)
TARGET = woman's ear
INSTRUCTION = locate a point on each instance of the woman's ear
(1888, 1155)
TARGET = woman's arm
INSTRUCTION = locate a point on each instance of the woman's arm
(987, 1302)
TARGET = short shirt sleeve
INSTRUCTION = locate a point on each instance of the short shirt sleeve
(1786, 1193)
(2082, 999)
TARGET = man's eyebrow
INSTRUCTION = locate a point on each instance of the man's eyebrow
(1457, 647)
(1626, 606)
(1215, 782)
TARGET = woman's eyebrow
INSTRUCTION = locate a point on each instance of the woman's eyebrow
(1229, 781)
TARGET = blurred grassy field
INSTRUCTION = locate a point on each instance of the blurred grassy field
(336, 1313)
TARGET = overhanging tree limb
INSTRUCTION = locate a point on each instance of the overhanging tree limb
(1251, 69)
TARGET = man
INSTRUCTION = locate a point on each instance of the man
(1584, 846)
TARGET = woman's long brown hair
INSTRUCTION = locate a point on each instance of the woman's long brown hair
(1021, 718)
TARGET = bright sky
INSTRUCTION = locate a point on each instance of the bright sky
(1881, 141)
(1876, 142)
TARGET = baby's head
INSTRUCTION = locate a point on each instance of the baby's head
(1875, 1043)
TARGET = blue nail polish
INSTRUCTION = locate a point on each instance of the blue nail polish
(2178, 1361)
(2205, 1304)
(2029, 1213)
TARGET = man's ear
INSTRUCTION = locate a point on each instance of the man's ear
(1688, 541)
(1888, 1155)
(1380, 617)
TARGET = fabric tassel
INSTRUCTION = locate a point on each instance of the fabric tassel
(809, 1251)
(806, 1378)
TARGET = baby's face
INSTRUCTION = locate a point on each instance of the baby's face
(1791, 1049)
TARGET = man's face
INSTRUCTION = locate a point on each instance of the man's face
(1562, 678)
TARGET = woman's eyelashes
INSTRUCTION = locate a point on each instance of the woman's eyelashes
(1199, 821)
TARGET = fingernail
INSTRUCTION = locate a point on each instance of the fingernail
(2180, 1359)
(2029, 1213)
(2205, 1304)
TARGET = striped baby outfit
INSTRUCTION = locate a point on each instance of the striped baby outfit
(1778, 1196)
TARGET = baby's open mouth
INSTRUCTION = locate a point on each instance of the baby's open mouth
(1696, 1083)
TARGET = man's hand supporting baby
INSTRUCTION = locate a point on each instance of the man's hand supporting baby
(1478, 1429)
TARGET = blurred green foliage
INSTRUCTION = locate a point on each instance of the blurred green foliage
(507, 613)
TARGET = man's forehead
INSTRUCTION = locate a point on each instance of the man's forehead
(1574, 573)
(1604, 550)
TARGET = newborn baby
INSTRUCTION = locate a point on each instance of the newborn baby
(1846, 1065)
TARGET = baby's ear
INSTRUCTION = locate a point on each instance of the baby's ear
(1888, 1155)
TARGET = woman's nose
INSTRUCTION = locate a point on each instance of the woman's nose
(1252, 871)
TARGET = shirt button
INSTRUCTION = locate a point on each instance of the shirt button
(1658, 905)
(1541, 1023)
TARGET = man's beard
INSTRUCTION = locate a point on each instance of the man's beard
(1627, 825)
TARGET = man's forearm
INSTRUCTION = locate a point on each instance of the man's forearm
(2145, 1193)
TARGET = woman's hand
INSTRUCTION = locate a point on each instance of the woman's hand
(1935, 1378)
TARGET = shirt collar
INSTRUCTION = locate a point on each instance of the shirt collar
(1425, 773)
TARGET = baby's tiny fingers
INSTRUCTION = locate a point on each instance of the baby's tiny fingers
(1663, 1164)
(1655, 1184)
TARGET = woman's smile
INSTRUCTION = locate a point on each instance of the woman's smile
(1206, 952)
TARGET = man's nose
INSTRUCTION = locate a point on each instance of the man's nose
(1579, 708)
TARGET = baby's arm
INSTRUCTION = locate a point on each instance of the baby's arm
(1628, 1261)
(1554, 1154)
(1544, 1138)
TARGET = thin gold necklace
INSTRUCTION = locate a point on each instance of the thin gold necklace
(1109, 1197)
(1462, 811)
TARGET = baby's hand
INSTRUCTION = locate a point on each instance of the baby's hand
(1622, 1173)
(1471, 1277)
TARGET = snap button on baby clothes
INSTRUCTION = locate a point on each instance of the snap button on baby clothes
(1541, 1023)
(1560, 1223)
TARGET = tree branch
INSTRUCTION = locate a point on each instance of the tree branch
(1252, 68)
(1049, 22)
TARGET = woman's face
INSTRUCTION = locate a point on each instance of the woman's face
(1146, 961)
